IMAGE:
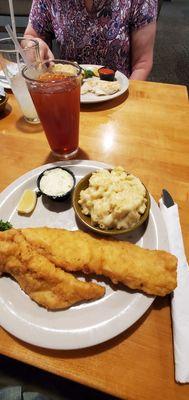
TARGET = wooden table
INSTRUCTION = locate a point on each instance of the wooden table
(146, 131)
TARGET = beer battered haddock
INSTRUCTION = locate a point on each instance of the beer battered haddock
(39, 277)
(152, 271)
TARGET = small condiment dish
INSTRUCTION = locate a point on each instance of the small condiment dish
(3, 101)
(106, 74)
(65, 183)
(86, 220)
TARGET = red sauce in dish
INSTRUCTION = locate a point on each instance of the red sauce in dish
(106, 71)
(106, 74)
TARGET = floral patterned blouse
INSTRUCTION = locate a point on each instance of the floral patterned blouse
(100, 37)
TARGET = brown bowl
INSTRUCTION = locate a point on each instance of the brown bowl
(86, 220)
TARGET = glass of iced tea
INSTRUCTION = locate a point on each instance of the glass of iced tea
(54, 86)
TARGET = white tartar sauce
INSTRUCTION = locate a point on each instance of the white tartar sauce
(56, 182)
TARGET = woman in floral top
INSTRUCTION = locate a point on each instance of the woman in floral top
(118, 34)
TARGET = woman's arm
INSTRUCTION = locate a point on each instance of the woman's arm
(142, 45)
(45, 52)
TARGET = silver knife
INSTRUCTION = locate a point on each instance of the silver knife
(167, 199)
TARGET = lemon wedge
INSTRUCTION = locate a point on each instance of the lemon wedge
(95, 72)
(27, 202)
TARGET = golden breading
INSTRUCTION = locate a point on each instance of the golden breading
(152, 271)
(45, 283)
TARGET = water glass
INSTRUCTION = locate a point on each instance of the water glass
(12, 65)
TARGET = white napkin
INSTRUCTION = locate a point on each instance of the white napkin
(180, 298)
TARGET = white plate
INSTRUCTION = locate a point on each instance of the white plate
(4, 82)
(81, 325)
(92, 98)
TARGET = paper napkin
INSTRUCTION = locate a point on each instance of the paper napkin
(180, 298)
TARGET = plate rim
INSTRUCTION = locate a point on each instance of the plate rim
(101, 99)
(86, 338)
(3, 82)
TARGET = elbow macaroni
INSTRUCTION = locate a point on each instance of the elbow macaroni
(114, 199)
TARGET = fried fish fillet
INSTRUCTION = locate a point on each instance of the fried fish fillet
(45, 283)
(152, 271)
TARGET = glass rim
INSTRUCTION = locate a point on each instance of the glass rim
(74, 63)
(14, 50)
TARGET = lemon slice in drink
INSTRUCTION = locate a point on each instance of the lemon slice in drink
(27, 202)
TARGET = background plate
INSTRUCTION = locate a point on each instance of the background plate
(81, 325)
(4, 82)
(92, 98)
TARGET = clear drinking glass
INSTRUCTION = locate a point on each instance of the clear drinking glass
(54, 86)
(12, 65)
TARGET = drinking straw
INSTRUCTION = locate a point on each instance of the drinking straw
(16, 43)
(11, 8)
(12, 17)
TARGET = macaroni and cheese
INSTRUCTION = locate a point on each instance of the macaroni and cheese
(114, 199)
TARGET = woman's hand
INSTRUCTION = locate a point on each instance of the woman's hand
(44, 50)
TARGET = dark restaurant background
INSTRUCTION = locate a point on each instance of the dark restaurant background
(171, 53)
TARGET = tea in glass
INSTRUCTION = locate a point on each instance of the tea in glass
(55, 89)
